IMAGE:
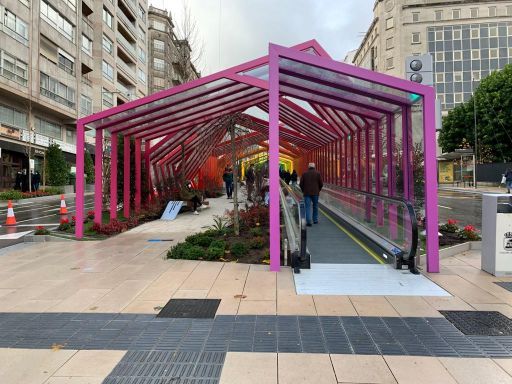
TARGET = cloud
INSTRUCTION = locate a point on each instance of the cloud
(243, 28)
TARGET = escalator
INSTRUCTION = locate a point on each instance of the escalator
(354, 228)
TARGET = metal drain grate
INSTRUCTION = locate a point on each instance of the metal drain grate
(190, 308)
(506, 285)
(480, 323)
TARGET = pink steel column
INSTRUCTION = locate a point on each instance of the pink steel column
(273, 153)
(368, 173)
(126, 176)
(80, 168)
(393, 218)
(378, 173)
(147, 147)
(345, 184)
(113, 176)
(98, 177)
(429, 133)
(137, 174)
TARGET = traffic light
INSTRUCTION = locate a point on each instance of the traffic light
(419, 69)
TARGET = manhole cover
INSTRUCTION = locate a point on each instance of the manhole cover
(190, 308)
(507, 285)
(480, 323)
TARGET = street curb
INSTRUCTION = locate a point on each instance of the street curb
(43, 238)
(468, 191)
(3, 203)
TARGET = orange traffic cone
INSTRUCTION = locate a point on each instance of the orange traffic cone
(11, 220)
(63, 208)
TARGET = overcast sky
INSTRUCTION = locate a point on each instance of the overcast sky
(243, 28)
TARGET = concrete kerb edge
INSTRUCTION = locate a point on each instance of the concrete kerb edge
(3, 203)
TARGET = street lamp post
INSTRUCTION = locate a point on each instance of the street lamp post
(476, 137)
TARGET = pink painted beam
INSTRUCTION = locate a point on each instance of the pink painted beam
(273, 141)
(126, 176)
(80, 175)
(138, 174)
(147, 152)
(113, 176)
(98, 177)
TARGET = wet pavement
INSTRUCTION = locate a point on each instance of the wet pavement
(465, 207)
(30, 214)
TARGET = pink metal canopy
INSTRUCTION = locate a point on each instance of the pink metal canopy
(356, 124)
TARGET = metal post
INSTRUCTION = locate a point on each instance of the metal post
(476, 137)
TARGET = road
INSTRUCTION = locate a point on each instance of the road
(464, 207)
(31, 214)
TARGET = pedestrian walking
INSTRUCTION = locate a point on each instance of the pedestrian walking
(250, 178)
(37, 181)
(287, 177)
(294, 177)
(311, 184)
(508, 179)
(228, 180)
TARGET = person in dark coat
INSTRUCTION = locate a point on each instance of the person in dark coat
(294, 177)
(311, 184)
(37, 181)
(287, 177)
(228, 180)
(18, 180)
(188, 193)
(24, 181)
(250, 178)
(508, 179)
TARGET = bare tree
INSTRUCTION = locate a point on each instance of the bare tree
(190, 47)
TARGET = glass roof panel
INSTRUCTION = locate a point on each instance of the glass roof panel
(135, 112)
(258, 72)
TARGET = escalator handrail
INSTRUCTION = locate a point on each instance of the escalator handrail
(395, 200)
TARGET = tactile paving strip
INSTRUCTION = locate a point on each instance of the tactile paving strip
(504, 284)
(152, 367)
(480, 323)
(190, 308)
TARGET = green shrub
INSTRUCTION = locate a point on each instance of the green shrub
(11, 195)
(218, 244)
(256, 231)
(186, 251)
(200, 239)
(257, 242)
(239, 249)
(54, 190)
(214, 253)
(57, 170)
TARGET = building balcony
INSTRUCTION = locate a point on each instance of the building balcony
(59, 99)
(132, 5)
(86, 60)
(87, 28)
(127, 46)
(123, 90)
(126, 70)
(127, 24)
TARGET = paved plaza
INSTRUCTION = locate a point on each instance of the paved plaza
(85, 312)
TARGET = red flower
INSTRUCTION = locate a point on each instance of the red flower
(64, 221)
(470, 228)
(452, 222)
(39, 228)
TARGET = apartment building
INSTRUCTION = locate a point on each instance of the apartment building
(169, 57)
(60, 60)
(467, 39)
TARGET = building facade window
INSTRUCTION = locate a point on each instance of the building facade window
(47, 128)
(54, 89)
(71, 4)
(158, 45)
(415, 17)
(390, 23)
(475, 54)
(476, 75)
(389, 43)
(108, 45)
(474, 13)
(493, 31)
(159, 82)
(457, 55)
(493, 53)
(439, 56)
(509, 10)
(455, 14)
(438, 15)
(158, 64)
(85, 105)
(389, 63)
(142, 34)
(159, 26)
(439, 35)
(457, 34)
(66, 62)
(457, 98)
(12, 117)
(141, 75)
(107, 18)
(108, 71)
(457, 77)
(86, 45)
(142, 14)
(416, 38)
(13, 68)
(15, 27)
(56, 20)
(439, 78)
(475, 33)
(492, 11)
(107, 98)
(142, 54)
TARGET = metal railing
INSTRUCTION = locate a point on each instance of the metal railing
(126, 45)
(389, 222)
(292, 205)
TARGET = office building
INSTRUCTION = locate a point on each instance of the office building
(467, 39)
(60, 60)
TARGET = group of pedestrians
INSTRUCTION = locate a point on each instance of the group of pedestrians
(289, 177)
(22, 182)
